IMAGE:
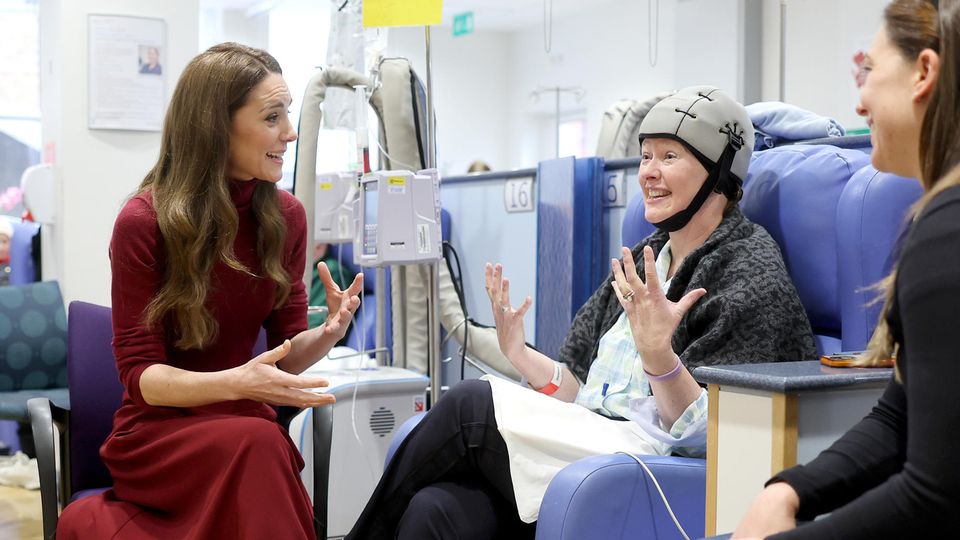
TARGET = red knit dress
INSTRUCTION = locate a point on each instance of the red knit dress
(225, 470)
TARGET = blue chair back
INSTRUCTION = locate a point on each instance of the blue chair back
(22, 267)
(793, 192)
(836, 220)
(33, 337)
(635, 227)
(872, 216)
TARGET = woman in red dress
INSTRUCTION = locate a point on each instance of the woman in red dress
(205, 254)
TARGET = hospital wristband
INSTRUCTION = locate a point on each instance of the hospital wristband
(554, 383)
(672, 374)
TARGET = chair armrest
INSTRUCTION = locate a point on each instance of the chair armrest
(612, 497)
(49, 442)
(401, 434)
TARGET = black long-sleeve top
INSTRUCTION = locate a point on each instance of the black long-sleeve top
(896, 474)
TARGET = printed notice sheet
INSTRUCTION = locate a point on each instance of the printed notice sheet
(126, 72)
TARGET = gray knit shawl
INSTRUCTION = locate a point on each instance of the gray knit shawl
(751, 312)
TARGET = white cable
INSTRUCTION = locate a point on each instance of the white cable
(394, 162)
(653, 42)
(451, 332)
(356, 383)
(547, 26)
(356, 386)
(660, 491)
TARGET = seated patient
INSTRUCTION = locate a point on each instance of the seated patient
(204, 255)
(714, 290)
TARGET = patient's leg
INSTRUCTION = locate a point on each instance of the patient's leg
(459, 440)
(462, 511)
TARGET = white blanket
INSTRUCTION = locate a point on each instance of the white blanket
(544, 435)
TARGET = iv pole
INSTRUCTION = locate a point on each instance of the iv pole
(433, 281)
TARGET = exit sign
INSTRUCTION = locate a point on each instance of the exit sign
(463, 24)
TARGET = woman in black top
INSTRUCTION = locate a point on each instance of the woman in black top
(896, 474)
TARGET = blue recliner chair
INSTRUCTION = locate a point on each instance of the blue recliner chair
(22, 271)
(22, 268)
(836, 220)
(33, 341)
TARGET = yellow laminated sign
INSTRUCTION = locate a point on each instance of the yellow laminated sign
(401, 12)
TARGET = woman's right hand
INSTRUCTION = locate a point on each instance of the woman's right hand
(773, 511)
(261, 380)
(509, 321)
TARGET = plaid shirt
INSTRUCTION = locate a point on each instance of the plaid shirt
(616, 378)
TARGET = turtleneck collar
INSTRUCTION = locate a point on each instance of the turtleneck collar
(241, 191)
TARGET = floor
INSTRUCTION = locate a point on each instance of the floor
(20, 514)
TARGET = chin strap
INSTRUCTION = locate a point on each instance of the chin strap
(720, 181)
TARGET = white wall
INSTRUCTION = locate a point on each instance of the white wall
(96, 169)
(604, 53)
(821, 38)
(483, 81)
(482, 84)
(470, 79)
(708, 45)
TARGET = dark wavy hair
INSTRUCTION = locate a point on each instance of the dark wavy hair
(191, 192)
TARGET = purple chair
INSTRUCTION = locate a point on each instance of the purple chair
(95, 393)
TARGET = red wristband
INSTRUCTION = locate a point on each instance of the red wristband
(554, 383)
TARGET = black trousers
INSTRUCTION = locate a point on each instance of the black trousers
(449, 479)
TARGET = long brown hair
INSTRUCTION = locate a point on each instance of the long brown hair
(191, 192)
(913, 26)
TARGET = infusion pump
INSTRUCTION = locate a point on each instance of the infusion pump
(397, 218)
(334, 200)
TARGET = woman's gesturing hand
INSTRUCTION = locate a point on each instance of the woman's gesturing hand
(341, 305)
(773, 511)
(509, 321)
(261, 380)
(653, 318)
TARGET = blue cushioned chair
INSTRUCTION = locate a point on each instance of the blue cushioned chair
(33, 347)
(22, 271)
(836, 220)
(22, 268)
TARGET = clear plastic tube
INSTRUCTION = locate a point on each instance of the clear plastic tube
(363, 139)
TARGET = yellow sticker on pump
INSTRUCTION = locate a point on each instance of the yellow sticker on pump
(396, 181)
(326, 186)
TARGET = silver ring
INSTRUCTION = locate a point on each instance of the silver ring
(629, 295)
(504, 308)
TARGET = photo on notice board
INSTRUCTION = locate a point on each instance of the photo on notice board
(149, 60)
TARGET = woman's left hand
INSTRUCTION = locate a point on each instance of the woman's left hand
(341, 305)
(653, 318)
